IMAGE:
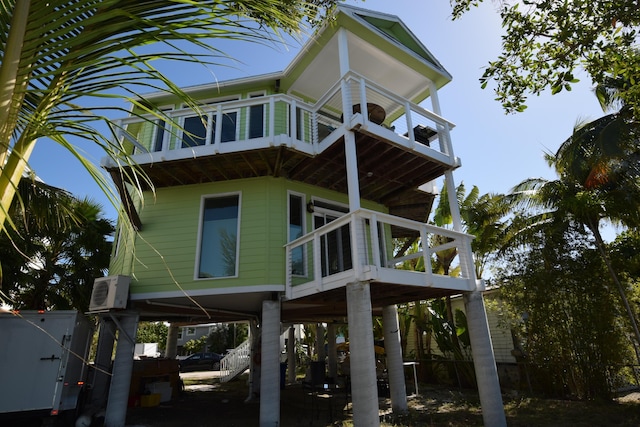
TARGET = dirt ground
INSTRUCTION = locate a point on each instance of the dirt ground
(208, 403)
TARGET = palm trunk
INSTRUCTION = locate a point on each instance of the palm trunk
(623, 295)
(13, 164)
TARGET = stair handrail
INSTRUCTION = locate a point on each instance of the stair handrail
(235, 362)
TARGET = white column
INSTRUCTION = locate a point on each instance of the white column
(364, 390)
(351, 158)
(332, 350)
(270, 365)
(116, 413)
(484, 360)
(291, 355)
(171, 347)
(343, 51)
(395, 368)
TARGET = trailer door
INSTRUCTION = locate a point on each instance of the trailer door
(31, 354)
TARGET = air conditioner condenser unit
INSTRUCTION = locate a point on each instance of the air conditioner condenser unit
(110, 292)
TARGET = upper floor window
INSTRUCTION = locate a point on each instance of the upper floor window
(219, 233)
(194, 131)
(195, 128)
(256, 118)
(229, 127)
(159, 132)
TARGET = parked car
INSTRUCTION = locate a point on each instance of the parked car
(200, 362)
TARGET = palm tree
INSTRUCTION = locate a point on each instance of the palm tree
(56, 248)
(598, 181)
(482, 217)
(58, 53)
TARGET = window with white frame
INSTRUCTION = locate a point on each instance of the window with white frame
(256, 118)
(219, 234)
(335, 246)
(228, 127)
(194, 131)
(194, 128)
(159, 131)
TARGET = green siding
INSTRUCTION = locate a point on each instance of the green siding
(168, 243)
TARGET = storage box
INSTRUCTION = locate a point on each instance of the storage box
(162, 388)
(147, 400)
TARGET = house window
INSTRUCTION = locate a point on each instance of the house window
(159, 132)
(219, 237)
(296, 230)
(194, 131)
(229, 129)
(191, 332)
(335, 246)
(256, 118)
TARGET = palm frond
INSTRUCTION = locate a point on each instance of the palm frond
(56, 53)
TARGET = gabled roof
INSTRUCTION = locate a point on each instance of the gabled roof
(392, 27)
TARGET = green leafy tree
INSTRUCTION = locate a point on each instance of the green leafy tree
(58, 246)
(153, 332)
(546, 43)
(60, 56)
(196, 346)
(567, 322)
(225, 336)
(598, 181)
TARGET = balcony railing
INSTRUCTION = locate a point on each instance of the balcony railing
(327, 258)
(282, 119)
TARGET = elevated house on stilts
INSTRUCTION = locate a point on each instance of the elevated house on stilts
(280, 202)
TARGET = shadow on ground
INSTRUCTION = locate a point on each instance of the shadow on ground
(208, 403)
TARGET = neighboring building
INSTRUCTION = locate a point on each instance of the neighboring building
(278, 205)
(501, 339)
(193, 332)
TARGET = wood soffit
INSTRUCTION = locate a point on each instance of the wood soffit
(388, 174)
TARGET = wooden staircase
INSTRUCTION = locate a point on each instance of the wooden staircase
(235, 362)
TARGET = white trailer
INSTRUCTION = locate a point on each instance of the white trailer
(43, 364)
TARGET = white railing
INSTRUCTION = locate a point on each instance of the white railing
(283, 119)
(235, 362)
(327, 257)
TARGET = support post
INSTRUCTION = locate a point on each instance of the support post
(116, 413)
(270, 365)
(395, 367)
(362, 356)
(484, 361)
(104, 350)
(171, 347)
(332, 350)
(255, 362)
(320, 351)
(291, 355)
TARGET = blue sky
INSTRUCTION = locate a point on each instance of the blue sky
(497, 150)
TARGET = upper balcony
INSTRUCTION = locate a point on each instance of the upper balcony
(400, 145)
